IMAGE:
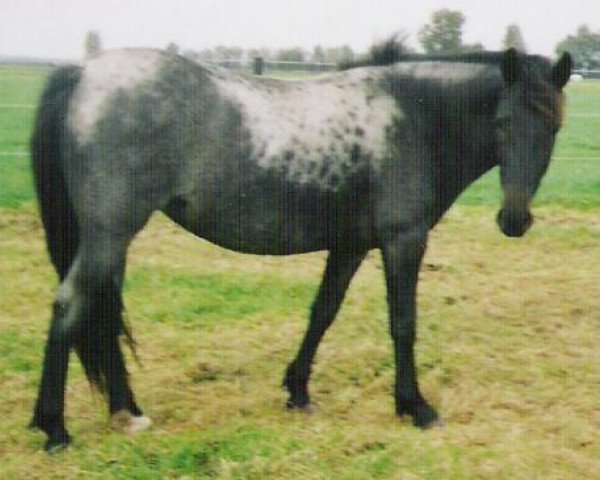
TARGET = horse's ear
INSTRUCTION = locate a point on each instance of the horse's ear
(511, 66)
(561, 72)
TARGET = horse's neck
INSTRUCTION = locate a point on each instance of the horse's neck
(468, 140)
(457, 171)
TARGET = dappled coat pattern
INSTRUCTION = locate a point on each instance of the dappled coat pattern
(364, 158)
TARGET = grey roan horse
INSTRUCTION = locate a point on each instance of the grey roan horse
(359, 159)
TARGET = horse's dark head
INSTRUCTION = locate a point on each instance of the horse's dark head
(528, 118)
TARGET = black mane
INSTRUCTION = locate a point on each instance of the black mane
(380, 54)
(393, 50)
(537, 68)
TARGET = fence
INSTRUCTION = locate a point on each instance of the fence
(594, 74)
(249, 65)
(259, 65)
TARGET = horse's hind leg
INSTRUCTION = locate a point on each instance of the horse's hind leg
(338, 273)
(49, 410)
(121, 402)
(87, 316)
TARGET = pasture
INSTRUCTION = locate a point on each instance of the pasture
(507, 351)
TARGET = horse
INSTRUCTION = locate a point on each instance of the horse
(366, 158)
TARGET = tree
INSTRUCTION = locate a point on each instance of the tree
(584, 47)
(383, 53)
(205, 55)
(193, 55)
(444, 33)
(472, 47)
(513, 38)
(318, 55)
(173, 48)
(295, 54)
(92, 45)
(339, 55)
(263, 53)
(222, 52)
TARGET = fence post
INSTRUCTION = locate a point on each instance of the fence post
(259, 65)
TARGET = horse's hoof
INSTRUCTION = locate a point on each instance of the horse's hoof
(426, 417)
(423, 416)
(307, 408)
(123, 420)
(139, 424)
(437, 424)
(56, 445)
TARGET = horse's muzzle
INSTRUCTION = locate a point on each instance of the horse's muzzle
(514, 223)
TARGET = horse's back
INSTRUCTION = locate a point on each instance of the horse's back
(250, 164)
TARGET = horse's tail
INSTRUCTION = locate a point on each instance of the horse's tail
(49, 144)
(47, 148)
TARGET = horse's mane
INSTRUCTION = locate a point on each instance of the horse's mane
(387, 52)
(539, 96)
(394, 50)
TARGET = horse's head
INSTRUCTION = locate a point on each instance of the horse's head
(528, 118)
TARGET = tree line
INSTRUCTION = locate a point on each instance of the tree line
(443, 34)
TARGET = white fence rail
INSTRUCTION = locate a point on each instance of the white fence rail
(588, 73)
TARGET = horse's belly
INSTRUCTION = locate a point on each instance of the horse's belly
(261, 218)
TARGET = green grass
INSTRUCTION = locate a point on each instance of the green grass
(20, 88)
(16, 184)
(507, 348)
(570, 183)
(507, 351)
(215, 297)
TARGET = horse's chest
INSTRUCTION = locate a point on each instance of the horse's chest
(314, 134)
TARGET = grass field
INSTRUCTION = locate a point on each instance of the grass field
(508, 342)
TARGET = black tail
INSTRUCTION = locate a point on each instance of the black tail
(49, 144)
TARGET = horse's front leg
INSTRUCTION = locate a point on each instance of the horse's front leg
(402, 254)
